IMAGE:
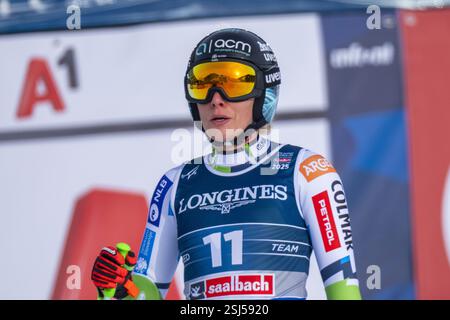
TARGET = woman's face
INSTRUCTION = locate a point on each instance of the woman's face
(223, 119)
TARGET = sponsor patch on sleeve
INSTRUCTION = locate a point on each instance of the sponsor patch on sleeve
(145, 251)
(154, 215)
(325, 218)
(315, 166)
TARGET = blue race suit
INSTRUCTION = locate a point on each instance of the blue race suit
(245, 225)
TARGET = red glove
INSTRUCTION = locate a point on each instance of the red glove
(112, 270)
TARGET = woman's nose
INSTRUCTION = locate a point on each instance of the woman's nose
(217, 100)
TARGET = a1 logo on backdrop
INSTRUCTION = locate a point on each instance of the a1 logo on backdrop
(40, 86)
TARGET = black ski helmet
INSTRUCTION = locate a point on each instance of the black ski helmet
(241, 45)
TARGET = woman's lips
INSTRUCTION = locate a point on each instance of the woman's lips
(219, 121)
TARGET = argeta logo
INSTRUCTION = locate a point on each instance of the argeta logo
(315, 166)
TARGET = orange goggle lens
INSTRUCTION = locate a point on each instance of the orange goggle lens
(235, 78)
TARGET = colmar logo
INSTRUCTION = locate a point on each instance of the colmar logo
(235, 285)
(314, 167)
(325, 219)
(342, 210)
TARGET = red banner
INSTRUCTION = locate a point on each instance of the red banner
(427, 79)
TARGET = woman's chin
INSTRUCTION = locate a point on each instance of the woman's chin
(220, 134)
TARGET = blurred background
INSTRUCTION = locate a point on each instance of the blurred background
(91, 93)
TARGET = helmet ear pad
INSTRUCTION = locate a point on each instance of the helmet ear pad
(194, 111)
(258, 117)
(193, 108)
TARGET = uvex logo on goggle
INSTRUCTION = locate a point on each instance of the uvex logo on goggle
(207, 47)
(273, 77)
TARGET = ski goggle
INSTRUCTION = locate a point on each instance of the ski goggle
(236, 81)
